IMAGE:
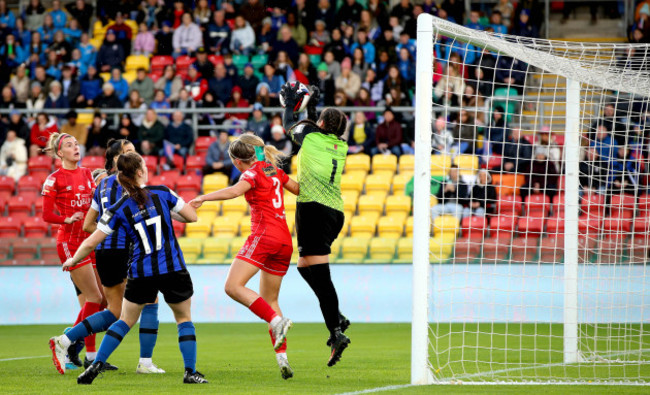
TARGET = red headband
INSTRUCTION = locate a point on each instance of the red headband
(64, 135)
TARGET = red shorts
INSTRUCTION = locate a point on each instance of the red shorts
(67, 250)
(266, 253)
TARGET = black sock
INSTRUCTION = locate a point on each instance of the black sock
(319, 279)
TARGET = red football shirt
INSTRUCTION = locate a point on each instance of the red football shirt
(72, 191)
(266, 198)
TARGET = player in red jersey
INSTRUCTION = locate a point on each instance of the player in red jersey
(70, 190)
(269, 246)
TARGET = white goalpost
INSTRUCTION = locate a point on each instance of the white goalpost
(531, 211)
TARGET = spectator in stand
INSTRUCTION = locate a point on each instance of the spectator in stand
(179, 138)
(614, 123)
(237, 101)
(348, 81)
(47, 29)
(349, 12)
(333, 65)
(506, 9)
(517, 154)
(59, 16)
(165, 40)
(248, 82)
(442, 141)
(510, 73)
(359, 65)
(120, 84)
(370, 24)
(7, 18)
(202, 14)
(266, 38)
(82, 12)
(127, 130)
(258, 123)
(405, 41)
(53, 66)
(73, 33)
(336, 47)
(298, 31)
(145, 42)
(624, 172)
(7, 101)
(242, 39)
(524, 27)
(194, 84)
(547, 147)
(363, 43)
(542, 178)
(496, 130)
(362, 135)
(283, 144)
(221, 85)
(37, 51)
(151, 134)
(184, 101)
(340, 98)
(287, 44)
(387, 44)
(18, 124)
(187, 37)
(218, 160)
(70, 85)
(91, 88)
(12, 53)
(77, 130)
(13, 156)
(160, 102)
(254, 12)
(481, 196)
(170, 83)
(452, 196)
(108, 98)
(474, 20)
(143, 84)
(306, 72)
(55, 99)
(61, 46)
(123, 32)
(363, 100)
(135, 102)
(273, 80)
(388, 136)
(593, 171)
(304, 12)
(111, 54)
(321, 35)
(23, 35)
(231, 69)
(88, 51)
(40, 133)
(497, 24)
(98, 135)
(406, 66)
(326, 85)
(204, 66)
(34, 15)
(374, 86)
(603, 144)
(37, 97)
(20, 84)
(263, 95)
(218, 33)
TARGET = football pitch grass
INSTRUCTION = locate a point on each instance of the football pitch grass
(238, 359)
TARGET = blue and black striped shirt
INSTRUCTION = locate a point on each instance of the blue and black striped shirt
(108, 192)
(155, 249)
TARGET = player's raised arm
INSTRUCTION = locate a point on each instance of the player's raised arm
(223, 194)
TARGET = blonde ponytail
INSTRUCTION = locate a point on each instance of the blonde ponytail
(53, 144)
(243, 149)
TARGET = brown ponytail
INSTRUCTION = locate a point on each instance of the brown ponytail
(128, 166)
(243, 149)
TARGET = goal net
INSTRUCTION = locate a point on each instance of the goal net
(531, 209)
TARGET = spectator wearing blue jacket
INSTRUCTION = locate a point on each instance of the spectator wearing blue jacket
(7, 18)
(22, 34)
(111, 54)
(275, 81)
(218, 33)
(603, 144)
(120, 84)
(91, 86)
(59, 17)
(220, 85)
(405, 41)
(363, 43)
(496, 22)
(12, 52)
(179, 134)
(47, 30)
(473, 23)
(73, 33)
(88, 51)
(406, 66)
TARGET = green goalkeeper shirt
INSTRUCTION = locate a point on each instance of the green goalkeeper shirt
(321, 160)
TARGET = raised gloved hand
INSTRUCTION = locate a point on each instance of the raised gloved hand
(314, 96)
(290, 94)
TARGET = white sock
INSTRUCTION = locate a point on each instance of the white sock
(275, 320)
(91, 355)
(281, 356)
(65, 341)
(67, 360)
(146, 361)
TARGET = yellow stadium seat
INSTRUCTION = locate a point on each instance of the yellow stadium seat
(236, 243)
(363, 226)
(409, 226)
(405, 249)
(357, 162)
(191, 248)
(433, 201)
(384, 173)
(336, 249)
(100, 29)
(215, 249)
(381, 250)
(96, 42)
(226, 226)
(133, 25)
(440, 165)
(105, 76)
(371, 203)
(294, 164)
(237, 205)
(381, 195)
(352, 182)
(295, 255)
(357, 173)
(467, 164)
(382, 163)
(134, 62)
(377, 182)
(85, 118)
(130, 76)
(346, 225)
(214, 182)
(440, 248)
(399, 182)
(291, 222)
(200, 228)
(445, 224)
(213, 207)
(290, 202)
(354, 249)
(406, 163)
(391, 227)
(245, 226)
(350, 200)
(398, 203)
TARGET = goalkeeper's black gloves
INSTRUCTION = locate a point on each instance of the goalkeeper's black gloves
(290, 94)
(314, 96)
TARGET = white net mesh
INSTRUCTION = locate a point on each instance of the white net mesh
(499, 240)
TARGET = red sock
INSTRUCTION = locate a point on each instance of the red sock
(262, 309)
(89, 309)
(79, 316)
(283, 347)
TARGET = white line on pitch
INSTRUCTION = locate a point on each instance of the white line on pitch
(378, 389)
(19, 358)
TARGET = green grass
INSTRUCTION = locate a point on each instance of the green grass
(238, 359)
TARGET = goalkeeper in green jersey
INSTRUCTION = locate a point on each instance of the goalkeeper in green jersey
(319, 208)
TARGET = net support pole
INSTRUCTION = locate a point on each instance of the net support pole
(572, 163)
(420, 373)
